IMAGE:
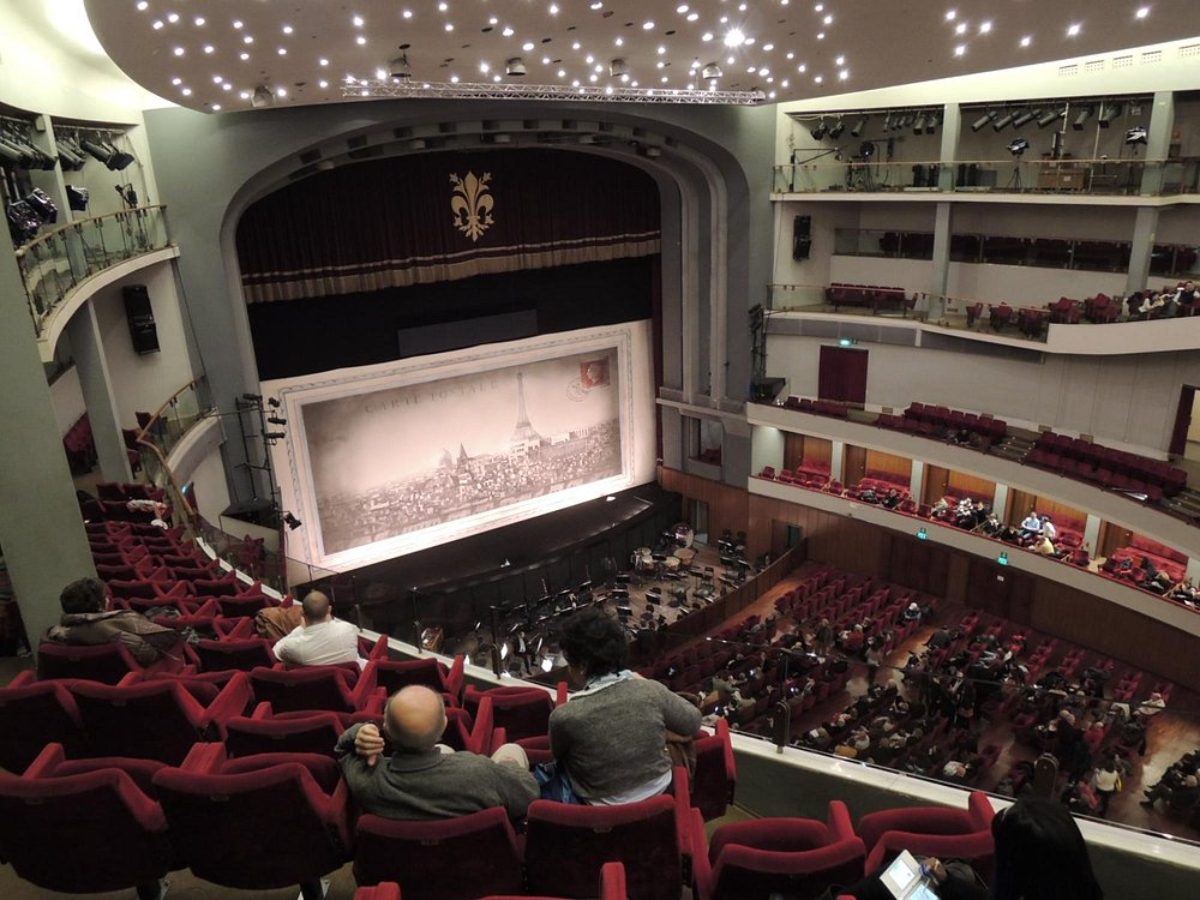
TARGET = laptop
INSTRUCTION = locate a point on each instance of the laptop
(905, 880)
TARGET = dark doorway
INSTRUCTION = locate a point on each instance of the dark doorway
(1183, 421)
(843, 375)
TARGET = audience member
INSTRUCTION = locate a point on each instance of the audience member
(1107, 781)
(86, 622)
(322, 640)
(611, 738)
(1048, 529)
(420, 779)
(1031, 526)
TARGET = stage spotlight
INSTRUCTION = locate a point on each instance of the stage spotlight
(1108, 112)
(1084, 115)
(866, 149)
(932, 122)
(252, 398)
(1004, 121)
(711, 71)
(837, 128)
(1135, 135)
(1051, 116)
(275, 420)
(1018, 147)
(78, 198)
(919, 124)
(274, 436)
(887, 123)
(399, 68)
(819, 130)
(982, 120)
(1025, 118)
(857, 130)
(515, 67)
(263, 97)
(291, 521)
(274, 402)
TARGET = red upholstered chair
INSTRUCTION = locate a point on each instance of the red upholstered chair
(33, 714)
(521, 712)
(244, 655)
(394, 674)
(106, 663)
(612, 887)
(566, 846)
(313, 687)
(245, 605)
(264, 732)
(931, 831)
(798, 858)
(715, 777)
(389, 890)
(82, 830)
(153, 719)
(221, 812)
(451, 859)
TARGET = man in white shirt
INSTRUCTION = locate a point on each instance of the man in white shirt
(1048, 529)
(1032, 526)
(322, 640)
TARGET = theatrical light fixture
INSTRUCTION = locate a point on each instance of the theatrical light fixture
(1084, 115)
(932, 122)
(514, 67)
(618, 67)
(1025, 118)
(291, 521)
(252, 398)
(275, 420)
(263, 97)
(274, 436)
(711, 71)
(819, 130)
(1004, 121)
(1051, 116)
(1108, 112)
(919, 124)
(837, 128)
(1018, 146)
(1136, 135)
(857, 130)
(982, 120)
(866, 149)
(399, 69)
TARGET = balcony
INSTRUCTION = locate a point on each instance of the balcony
(1115, 182)
(63, 266)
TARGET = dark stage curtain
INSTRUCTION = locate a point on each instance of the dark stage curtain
(443, 216)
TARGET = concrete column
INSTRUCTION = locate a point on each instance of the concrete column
(1158, 141)
(1193, 569)
(951, 130)
(941, 262)
(837, 461)
(42, 533)
(766, 448)
(1091, 535)
(916, 483)
(1000, 500)
(88, 349)
(672, 437)
(1144, 228)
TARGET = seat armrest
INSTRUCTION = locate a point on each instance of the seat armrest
(129, 679)
(24, 679)
(561, 694)
(51, 757)
(376, 702)
(483, 738)
(380, 649)
(839, 821)
(204, 759)
(456, 678)
(231, 701)
(262, 711)
(701, 868)
(361, 693)
(499, 739)
(683, 818)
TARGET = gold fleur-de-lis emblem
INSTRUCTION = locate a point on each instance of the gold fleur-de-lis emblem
(471, 202)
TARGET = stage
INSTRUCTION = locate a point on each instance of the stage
(454, 585)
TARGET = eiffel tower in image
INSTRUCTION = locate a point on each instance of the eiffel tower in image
(524, 434)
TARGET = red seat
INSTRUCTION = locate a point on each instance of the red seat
(84, 832)
(764, 857)
(220, 813)
(451, 859)
(931, 831)
(245, 605)
(521, 712)
(34, 714)
(566, 846)
(153, 719)
(264, 732)
(715, 778)
(243, 655)
(312, 687)
(106, 663)
(428, 671)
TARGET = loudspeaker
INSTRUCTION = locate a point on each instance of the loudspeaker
(140, 316)
(801, 240)
(765, 390)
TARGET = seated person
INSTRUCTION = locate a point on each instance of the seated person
(322, 640)
(1186, 299)
(1031, 526)
(1048, 528)
(421, 779)
(611, 737)
(892, 500)
(1081, 556)
(1044, 546)
(912, 612)
(86, 623)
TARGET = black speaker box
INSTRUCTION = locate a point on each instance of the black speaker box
(140, 316)
(801, 237)
(766, 389)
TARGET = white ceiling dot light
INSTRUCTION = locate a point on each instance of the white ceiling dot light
(358, 21)
(648, 25)
(960, 28)
(237, 24)
(157, 24)
(177, 81)
(173, 18)
(216, 107)
(985, 27)
(178, 51)
(734, 38)
(1027, 40)
(210, 49)
(142, 5)
(1073, 29)
(361, 39)
(960, 50)
(1142, 12)
(199, 21)
(287, 29)
(187, 92)
(322, 62)
(951, 14)
(527, 46)
(244, 56)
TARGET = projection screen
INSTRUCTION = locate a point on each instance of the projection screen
(383, 460)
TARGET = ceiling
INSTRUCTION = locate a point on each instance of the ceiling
(211, 55)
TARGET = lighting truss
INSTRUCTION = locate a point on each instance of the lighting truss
(481, 91)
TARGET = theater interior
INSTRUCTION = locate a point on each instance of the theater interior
(843, 353)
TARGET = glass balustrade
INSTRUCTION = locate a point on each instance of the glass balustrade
(57, 261)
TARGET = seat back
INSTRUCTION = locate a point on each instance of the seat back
(742, 872)
(919, 819)
(221, 820)
(521, 712)
(244, 655)
(395, 674)
(316, 733)
(452, 859)
(142, 721)
(82, 833)
(106, 663)
(33, 715)
(566, 846)
(291, 690)
(715, 777)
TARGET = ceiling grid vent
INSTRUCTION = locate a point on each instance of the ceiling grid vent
(1190, 51)
(1152, 56)
(1093, 65)
(1068, 71)
(1123, 62)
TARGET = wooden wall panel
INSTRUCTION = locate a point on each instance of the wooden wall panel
(727, 505)
(1019, 505)
(937, 481)
(1023, 502)
(1112, 536)
(889, 464)
(855, 464)
(818, 452)
(793, 450)
(980, 488)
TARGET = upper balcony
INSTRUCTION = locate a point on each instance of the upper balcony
(64, 266)
(1104, 181)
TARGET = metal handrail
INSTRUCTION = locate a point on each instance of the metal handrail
(50, 234)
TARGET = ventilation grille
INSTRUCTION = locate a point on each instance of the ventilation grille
(1067, 71)
(1190, 51)
(1152, 56)
(1123, 62)
(1095, 65)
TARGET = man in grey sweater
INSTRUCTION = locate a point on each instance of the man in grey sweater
(421, 779)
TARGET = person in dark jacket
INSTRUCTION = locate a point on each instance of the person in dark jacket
(86, 623)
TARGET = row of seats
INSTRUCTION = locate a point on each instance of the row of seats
(831, 408)
(931, 421)
(1106, 466)
(869, 295)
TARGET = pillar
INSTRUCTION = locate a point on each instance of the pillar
(951, 129)
(1144, 228)
(1091, 533)
(41, 531)
(916, 482)
(837, 461)
(1000, 502)
(88, 350)
(1158, 141)
(941, 262)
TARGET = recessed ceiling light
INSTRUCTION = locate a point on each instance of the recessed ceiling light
(620, 41)
(361, 39)
(280, 92)
(647, 25)
(681, 8)
(216, 107)
(707, 36)
(177, 81)
(820, 35)
(485, 67)
(217, 79)
(507, 32)
(245, 95)
(693, 16)
(248, 39)
(322, 83)
(407, 14)
(950, 14)
(244, 55)
(596, 4)
(802, 68)
(157, 24)
(960, 50)
(589, 59)
(178, 51)
(575, 46)
(173, 18)
(199, 20)
(734, 38)
(1026, 41)
(283, 51)
(562, 73)
(442, 7)
(554, 9)
(187, 92)
(1073, 29)
(449, 26)
(227, 86)
(527, 46)
(381, 74)
(454, 79)
(819, 79)
(985, 27)
(661, 50)
(664, 79)
(960, 28)
(209, 48)
(1143, 12)
(844, 74)
(237, 23)
(142, 5)
(322, 61)
(768, 47)
(358, 21)
(287, 29)
(784, 83)
(841, 61)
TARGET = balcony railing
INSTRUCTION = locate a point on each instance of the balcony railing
(1099, 177)
(58, 260)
